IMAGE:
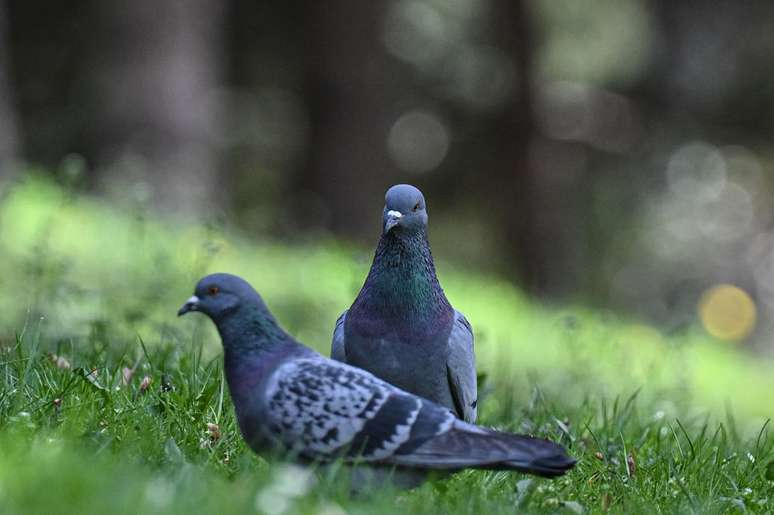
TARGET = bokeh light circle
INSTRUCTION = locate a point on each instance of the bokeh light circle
(418, 142)
(727, 312)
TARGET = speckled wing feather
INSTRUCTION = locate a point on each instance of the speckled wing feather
(461, 369)
(321, 409)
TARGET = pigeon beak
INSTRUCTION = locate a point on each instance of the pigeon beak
(393, 219)
(191, 304)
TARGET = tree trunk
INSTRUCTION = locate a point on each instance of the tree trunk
(161, 65)
(8, 132)
(352, 91)
(521, 207)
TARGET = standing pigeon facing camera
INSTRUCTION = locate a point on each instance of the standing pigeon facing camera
(290, 398)
(401, 327)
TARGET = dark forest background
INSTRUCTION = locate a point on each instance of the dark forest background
(613, 152)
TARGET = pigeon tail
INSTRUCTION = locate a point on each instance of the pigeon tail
(469, 446)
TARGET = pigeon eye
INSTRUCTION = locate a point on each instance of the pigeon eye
(416, 206)
(213, 290)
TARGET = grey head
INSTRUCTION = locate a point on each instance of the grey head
(404, 209)
(222, 296)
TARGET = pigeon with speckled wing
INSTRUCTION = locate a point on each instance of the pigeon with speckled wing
(401, 327)
(290, 398)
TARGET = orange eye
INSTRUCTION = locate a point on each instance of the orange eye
(416, 206)
(214, 290)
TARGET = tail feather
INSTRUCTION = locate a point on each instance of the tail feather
(469, 446)
(549, 466)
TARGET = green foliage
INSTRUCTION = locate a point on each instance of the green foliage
(108, 403)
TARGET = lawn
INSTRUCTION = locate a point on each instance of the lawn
(110, 404)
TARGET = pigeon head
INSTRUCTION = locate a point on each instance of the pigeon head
(220, 295)
(243, 320)
(404, 209)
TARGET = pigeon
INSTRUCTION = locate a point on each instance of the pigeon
(401, 327)
(291, 399)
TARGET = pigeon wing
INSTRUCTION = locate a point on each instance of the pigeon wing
(338, 350)
(461, 369)
(321, 409)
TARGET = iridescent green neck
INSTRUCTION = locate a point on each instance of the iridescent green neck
(402, 281)
(249, 330)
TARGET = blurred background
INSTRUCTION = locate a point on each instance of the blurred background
(615, 153)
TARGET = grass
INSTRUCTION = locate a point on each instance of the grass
(661, 423)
